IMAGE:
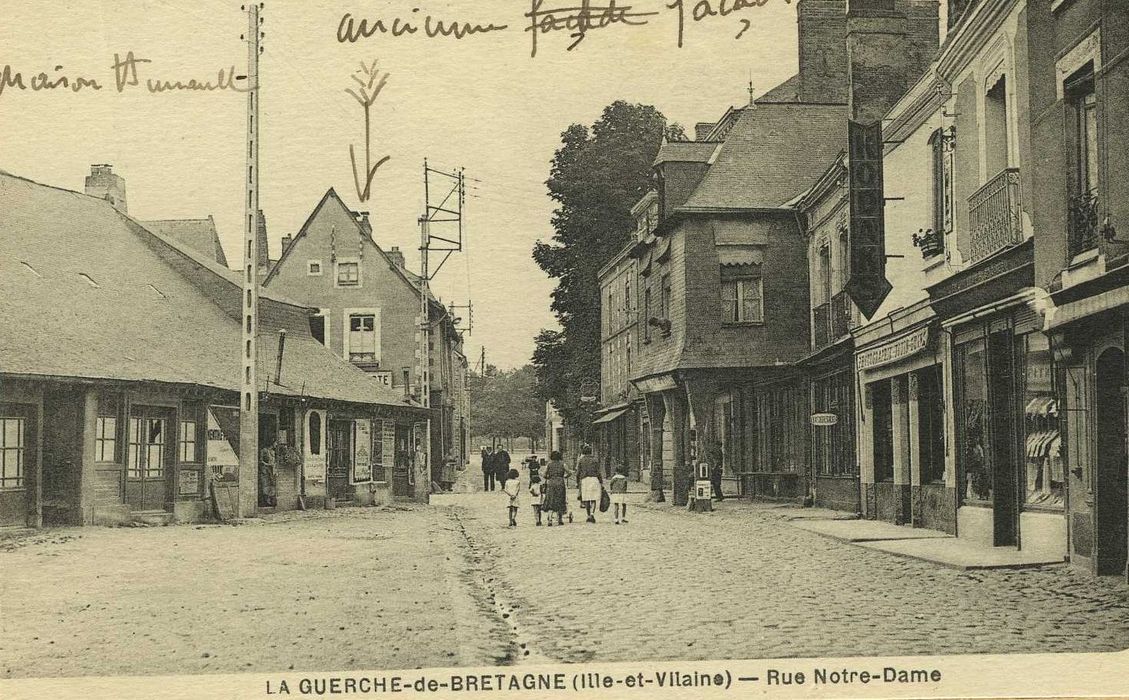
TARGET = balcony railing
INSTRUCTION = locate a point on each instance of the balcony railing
(821, 325)
(841, 320)
(994, 216)
(1083, 222)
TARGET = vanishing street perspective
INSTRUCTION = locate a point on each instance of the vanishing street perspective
(838, 370)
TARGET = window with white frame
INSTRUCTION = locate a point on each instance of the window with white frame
(348, 273)
(12, 452)
(188, 440)
(742, 300)
(362, 337)
(313, 268)
(106, 439)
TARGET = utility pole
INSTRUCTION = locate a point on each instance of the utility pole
(249, 347)
(450, 218)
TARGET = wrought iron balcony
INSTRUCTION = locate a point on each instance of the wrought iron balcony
(821, 325)
(1084, 227)
(841, 319)
(994, 216)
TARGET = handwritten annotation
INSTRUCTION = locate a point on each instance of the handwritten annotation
(126, 74)
(575, 17)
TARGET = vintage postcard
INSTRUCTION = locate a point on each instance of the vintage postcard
(564, 348)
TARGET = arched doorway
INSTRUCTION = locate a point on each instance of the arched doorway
(1111, 503)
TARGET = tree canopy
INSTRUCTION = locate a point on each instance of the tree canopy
(595, 177)
(506, 404)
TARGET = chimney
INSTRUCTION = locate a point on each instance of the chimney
(104, 184)
(822, 26)
(286, 243)
(262, 260)
(397, 256)
(362, 219)
(889, 46)
(702, 130)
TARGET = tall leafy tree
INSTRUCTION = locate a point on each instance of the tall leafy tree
(595, 177)
(506, 404)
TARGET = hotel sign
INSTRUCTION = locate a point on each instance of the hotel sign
(867, 285)
(895, 350)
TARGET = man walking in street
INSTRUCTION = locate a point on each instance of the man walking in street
(501, 465)
(488, 459)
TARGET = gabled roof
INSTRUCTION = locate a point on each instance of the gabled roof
(773, 153)
(198, 234)
(331, 196)
(89, 293)
(787, 91)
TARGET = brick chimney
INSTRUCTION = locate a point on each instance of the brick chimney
(104, 184)
(262, 260)
(362, 219)
(285, 244)
(702, 129)
(396, 256)
(889, 46)
(822, 28)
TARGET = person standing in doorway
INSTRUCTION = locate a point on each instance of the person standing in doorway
(590, 480)
(488, 468)
(716, 457)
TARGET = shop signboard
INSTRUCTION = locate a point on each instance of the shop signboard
(189, 482)
(314, 460)
(898, 349)
(824, 419)
(867, 286)
(362, 452)
(223, 440)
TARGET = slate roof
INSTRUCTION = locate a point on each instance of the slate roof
(787, 91)
(87, 292)
(198, 234)
(685, 151)
(772, 154)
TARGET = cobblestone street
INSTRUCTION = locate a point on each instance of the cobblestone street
(450, 585)
(743, 583)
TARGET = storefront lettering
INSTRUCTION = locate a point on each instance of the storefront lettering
(897, 350)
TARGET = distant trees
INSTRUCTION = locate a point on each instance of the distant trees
(506, 404)
(595, 177)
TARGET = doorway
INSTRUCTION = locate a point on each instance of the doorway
(339, 448)
(402, 464)
(151, 453)
(1112, 503)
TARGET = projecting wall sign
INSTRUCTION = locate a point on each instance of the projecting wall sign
(867, 285)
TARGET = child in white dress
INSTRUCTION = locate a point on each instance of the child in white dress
(512, 489)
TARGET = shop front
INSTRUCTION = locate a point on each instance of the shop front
(902, 422)
(834, 475)
(617, 440)
(1089, 344)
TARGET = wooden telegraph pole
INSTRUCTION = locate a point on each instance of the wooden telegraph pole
(249, 347)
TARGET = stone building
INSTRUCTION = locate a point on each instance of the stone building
(119, 376)
(369, 314)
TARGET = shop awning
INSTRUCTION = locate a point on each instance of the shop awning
(1078, 310)
(609, 417)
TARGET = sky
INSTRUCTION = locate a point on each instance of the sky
(481, 103)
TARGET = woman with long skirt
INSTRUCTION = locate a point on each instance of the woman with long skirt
(555, 496)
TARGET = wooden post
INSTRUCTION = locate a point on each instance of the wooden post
(86, 494)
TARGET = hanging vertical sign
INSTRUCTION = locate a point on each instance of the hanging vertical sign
(867, 285)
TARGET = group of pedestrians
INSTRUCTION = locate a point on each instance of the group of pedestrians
(495, 468)
(549, 490)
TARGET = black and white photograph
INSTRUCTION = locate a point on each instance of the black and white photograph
(564, 348)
